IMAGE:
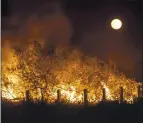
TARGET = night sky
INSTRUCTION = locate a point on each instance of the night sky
(85, 24)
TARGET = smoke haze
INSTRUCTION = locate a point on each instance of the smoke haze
(89, 30)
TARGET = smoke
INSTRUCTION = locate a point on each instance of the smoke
(96, 38)
(47, 24)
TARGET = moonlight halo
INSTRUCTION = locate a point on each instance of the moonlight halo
(116, 24)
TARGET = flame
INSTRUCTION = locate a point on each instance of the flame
(13, 78)
(109, 96)
(71, 95)
(10, 93)
(67, 72)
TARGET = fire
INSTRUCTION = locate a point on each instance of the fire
(13, 78)
(109, 96)
(71, 95)
(10, 93)
(68, 71)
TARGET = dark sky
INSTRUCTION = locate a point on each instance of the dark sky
(90, 23)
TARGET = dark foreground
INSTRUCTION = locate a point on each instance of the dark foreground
(101, 113)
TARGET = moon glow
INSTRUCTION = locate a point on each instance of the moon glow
(116, 24)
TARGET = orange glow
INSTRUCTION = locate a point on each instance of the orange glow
(65, 71)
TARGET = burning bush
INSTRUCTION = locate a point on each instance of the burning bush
(68, 70)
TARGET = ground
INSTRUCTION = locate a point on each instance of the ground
(101, 113)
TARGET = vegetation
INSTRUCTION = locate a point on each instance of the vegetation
(66, 69)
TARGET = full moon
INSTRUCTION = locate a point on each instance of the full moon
(116, 24)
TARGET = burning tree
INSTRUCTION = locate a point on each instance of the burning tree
(68, 70)
(25, 73)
